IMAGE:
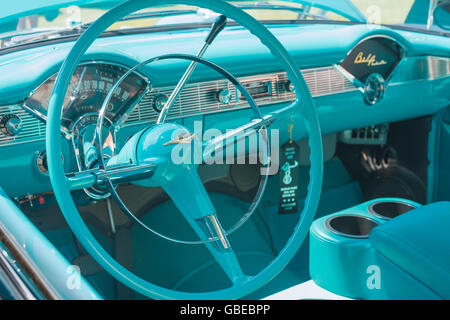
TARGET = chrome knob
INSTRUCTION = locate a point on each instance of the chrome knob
(41, 162)
(224, 96)
(290, 87)
(159, 102)
(11, 125)
(374, 89)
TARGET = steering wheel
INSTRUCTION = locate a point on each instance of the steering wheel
(145, 160)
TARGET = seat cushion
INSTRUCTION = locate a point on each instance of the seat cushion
(419, 243)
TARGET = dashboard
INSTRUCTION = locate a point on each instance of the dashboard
(358, 76)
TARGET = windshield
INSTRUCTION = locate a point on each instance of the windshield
(53, 22)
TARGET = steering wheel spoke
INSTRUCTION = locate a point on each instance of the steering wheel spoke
(190, 196)
(209, 228)
(234, 136)
(238, 135)
(117, 175)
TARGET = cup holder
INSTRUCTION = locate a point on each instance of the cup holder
(351, 226)
(389, 209)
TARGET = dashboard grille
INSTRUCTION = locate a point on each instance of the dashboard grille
(200, 98)
(33, 129)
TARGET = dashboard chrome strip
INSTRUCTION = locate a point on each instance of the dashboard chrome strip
(33, 128)
(199, 98)
(422, 68)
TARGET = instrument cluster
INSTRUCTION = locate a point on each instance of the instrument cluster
(90, 85)
(87, 90)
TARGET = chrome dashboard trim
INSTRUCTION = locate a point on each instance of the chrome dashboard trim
(43, 118)
(200, 98)
(358, 84)
(419, 68)
(321, 82)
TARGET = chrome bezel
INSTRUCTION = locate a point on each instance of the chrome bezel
(40, 162)
(373, 36)
(358, 84)
(377, 215)
(346, 235)
(68, 133)
(224, 98)
(381, 86)
(4, 124)
(94, 193)
(159, 99)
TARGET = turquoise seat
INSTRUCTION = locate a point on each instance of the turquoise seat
(418, 242)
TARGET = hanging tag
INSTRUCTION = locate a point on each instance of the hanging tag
(289, 176)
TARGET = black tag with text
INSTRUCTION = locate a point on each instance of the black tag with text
(289, 178)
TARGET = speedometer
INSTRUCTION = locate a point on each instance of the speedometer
(90, 85)
(87, 90)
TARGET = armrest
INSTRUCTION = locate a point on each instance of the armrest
(418, 242)
(50, 262)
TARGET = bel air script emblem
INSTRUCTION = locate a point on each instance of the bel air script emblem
(370, 60)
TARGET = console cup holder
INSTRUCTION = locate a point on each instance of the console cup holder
(351, 226)
(389, 209)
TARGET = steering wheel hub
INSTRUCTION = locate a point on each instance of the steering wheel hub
(156, 144)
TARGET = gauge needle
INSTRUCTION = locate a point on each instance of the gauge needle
(77, 89)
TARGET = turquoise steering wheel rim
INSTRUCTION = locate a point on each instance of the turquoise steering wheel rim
(59, 183)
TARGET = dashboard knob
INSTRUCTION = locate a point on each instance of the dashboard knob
(41, 162)
(374, 89)
(290, 87)
(11, 125)
(159, 102)
(224, 96)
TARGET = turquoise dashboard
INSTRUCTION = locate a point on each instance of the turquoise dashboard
(417, 85)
